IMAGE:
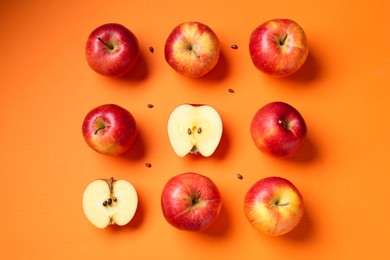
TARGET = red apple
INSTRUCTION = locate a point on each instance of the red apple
(112, 50)
(278, 47)
(192, 49)
(194, 129)
(190, 202)
(278, 129)
(109, 129)
(273, 206)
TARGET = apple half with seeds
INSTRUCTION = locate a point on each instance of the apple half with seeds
(194, 129)
(109, 201)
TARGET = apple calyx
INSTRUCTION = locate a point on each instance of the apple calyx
(195, 198)
(108, 45)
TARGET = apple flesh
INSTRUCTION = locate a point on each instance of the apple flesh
(194, 129)
(273, 206)
(112, 50)
(192, 49)
(109, 201)
(278, 129)
(190, 202)
(109, 129)
(278, 47)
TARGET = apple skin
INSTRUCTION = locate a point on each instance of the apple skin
(109, 129)
(278, 129)
(273, 206)
(190, 202)
(117, 55)
(192, 49)
(278, 47)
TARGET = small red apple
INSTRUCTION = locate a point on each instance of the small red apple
(192, 49)
(191, 202)
(112, 50)
(278, 129)
(273, 206)
(109, 129)
(278, 47)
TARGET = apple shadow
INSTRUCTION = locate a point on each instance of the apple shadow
(307, 153)
(309, 71)
(137, 151)
(220, 70)
(139, 72)
(221, 225)
(303, 231)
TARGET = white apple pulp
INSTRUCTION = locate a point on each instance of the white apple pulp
(107, 202)
(194, 129)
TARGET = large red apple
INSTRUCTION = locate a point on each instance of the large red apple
(190, 202)
(278, 47)
(112, 50)
(109, 129)
(273, 206)
(192, 49)
(278, 129)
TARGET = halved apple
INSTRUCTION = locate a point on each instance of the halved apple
(194, 129)
(107, 202)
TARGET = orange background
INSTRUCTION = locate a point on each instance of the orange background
(47, 88)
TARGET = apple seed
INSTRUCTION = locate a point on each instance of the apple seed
(231, 90)
(151, 49)
(234, 46)
(148, 165)
(239, 176)
(150, 105)
(189, 132)
(199, 130)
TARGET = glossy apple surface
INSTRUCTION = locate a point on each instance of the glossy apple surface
(109, 129)
(109, 201)
(273, 206)
(278, 47)
(112, 50)
(278, 129)
(192, 49)
(190, 202)
(194, 129)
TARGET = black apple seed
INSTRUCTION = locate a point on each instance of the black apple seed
(151, 49)
(234, 46)
(105, 203)
(231, 90)
(148, 165)
(150, 105)
(239, 176)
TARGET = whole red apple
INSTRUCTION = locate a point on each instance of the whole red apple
(192, 49)
(273, 206)
(278, 47)
(112, 50)
(278, 129)
(109, 129)
(191, 202)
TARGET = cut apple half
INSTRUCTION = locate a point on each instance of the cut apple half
(194, 129)
(107, 202)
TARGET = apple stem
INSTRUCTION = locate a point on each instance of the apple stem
(282, 41)
(97, 130)
(192, 50)
(106, 44)
(282, 204)
(195, 199)
(283, 123)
